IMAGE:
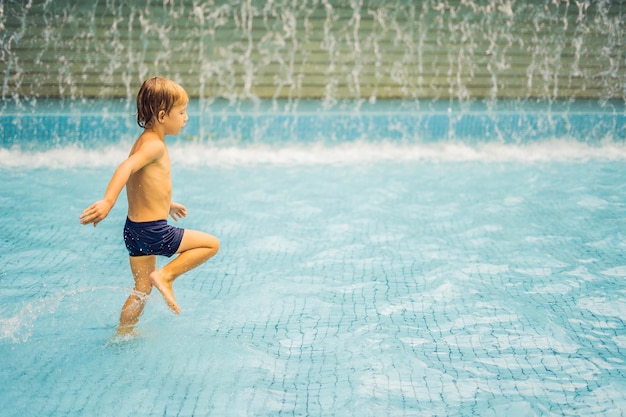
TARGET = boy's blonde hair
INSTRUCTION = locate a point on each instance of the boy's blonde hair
(158, 94)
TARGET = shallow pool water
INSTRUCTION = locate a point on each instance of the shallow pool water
(478, 286)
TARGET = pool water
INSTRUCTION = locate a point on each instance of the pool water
(354, 279)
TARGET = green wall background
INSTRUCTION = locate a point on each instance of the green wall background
(326, 49)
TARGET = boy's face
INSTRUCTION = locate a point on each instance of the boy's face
(175, 120)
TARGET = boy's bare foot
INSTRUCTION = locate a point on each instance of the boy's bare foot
(165, 287)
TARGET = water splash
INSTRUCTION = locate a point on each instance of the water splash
(19, 327)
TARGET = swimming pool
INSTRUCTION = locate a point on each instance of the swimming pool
(360, 274)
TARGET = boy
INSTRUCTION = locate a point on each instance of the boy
(161, 111)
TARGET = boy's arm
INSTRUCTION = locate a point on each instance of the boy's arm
(177, 211)
(148, 152)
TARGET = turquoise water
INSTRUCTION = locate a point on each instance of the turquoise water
(401, 277)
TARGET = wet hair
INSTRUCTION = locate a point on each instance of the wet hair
(158, 94)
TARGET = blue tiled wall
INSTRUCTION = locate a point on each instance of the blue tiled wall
(48, 127)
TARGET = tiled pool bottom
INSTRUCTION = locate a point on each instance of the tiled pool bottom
(378, 289)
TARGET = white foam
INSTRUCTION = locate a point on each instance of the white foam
(298, 154)
(59, 158)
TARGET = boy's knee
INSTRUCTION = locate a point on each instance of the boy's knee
(215, 244)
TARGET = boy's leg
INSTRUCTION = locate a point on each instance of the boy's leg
(141, 267)
(195, 249)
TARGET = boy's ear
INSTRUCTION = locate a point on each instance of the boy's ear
(161, 115)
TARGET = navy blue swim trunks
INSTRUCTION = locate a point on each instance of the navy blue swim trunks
(152, 238)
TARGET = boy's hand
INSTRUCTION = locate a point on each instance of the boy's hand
(95, 213)
(177, 211)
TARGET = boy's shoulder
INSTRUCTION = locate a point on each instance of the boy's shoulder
(148, 142)
(149, 136)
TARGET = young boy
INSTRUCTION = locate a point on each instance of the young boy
(161, 111)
